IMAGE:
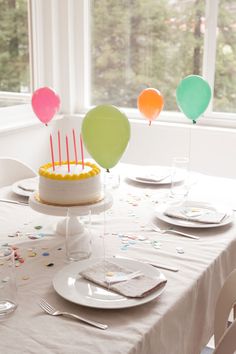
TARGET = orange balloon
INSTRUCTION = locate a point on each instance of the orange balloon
(150, 103)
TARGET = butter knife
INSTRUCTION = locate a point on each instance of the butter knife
(154, 264)
(13, 202)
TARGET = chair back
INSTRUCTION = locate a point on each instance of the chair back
(227, 343)
(12, 170)
(225, 303)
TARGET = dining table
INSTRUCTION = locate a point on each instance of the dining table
(178, 321)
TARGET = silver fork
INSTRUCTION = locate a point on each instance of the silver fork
(52, 311)
(166, 231)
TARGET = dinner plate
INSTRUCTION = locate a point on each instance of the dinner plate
(154, 176)
(31, 183)
(159, 213)
(71, 286)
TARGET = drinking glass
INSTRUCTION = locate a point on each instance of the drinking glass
(78, 237)
(8, 290)
(180, 183)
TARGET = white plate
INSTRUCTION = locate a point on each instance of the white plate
(27, 183)
(68, 284)
(161, 174)
(159, 213)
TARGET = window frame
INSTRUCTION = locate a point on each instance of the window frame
(59, 57)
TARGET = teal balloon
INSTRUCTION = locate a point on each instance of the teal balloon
(193, 95)
(106, 133)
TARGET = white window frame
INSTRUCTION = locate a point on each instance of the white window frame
(60, 59)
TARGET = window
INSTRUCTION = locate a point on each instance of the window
(14, 53)
(106, 51)
(225, 73)
(137, 44)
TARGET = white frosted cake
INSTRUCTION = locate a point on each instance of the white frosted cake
(77, 187)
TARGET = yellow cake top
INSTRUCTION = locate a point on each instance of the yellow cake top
(47, 171)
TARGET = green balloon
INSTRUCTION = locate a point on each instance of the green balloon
(193, 95)
(106, 133)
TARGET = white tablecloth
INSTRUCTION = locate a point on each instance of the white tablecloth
(180, 321)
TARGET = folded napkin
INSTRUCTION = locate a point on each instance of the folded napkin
(152, 177)
(141, 286)
(202, 215)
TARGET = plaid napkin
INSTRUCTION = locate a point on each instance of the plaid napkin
(136, 287)
(202, 215)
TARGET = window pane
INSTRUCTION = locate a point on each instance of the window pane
(225, 78)
(14, 47)
(137, 44)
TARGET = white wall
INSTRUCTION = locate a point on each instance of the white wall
(212, 149)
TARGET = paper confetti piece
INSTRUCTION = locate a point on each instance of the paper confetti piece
(179, 250)
(38, 227)
(45, 254)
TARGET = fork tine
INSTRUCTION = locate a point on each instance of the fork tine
(45, 305)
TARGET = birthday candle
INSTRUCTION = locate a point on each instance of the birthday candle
(52, 152)
(82, 151)
(59, 145)
(75, 147)
(67, 153)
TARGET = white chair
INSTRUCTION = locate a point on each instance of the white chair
(225, 303)
(227, 343)
(12, 170)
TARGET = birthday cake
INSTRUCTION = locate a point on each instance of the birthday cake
(80, 185)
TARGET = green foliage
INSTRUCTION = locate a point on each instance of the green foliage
(14, 48)
(138, 44)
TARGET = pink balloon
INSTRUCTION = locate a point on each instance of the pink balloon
(45, 103)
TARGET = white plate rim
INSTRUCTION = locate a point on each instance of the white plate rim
(159, 214)
(19, 191)
(60, 284)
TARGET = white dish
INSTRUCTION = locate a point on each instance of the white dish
(159, 213)
(154, 175)
(71, 286)
(31, 183)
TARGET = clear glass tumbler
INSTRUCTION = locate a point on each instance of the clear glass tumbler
(180, 183)
(78, 237)
(8, 289)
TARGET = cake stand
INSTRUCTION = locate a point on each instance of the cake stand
(78, 239)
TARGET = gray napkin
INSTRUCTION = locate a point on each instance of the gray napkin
(133, 288)
(201, 215)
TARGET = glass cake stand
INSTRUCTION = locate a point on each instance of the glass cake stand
(78, 238)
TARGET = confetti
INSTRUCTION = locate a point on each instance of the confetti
(180, 250)
(156, 244)
(25, 277)
(5, 280)
(45, 254)
(32, 254)
(38, 227)
(142, 238)
(110, 274)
